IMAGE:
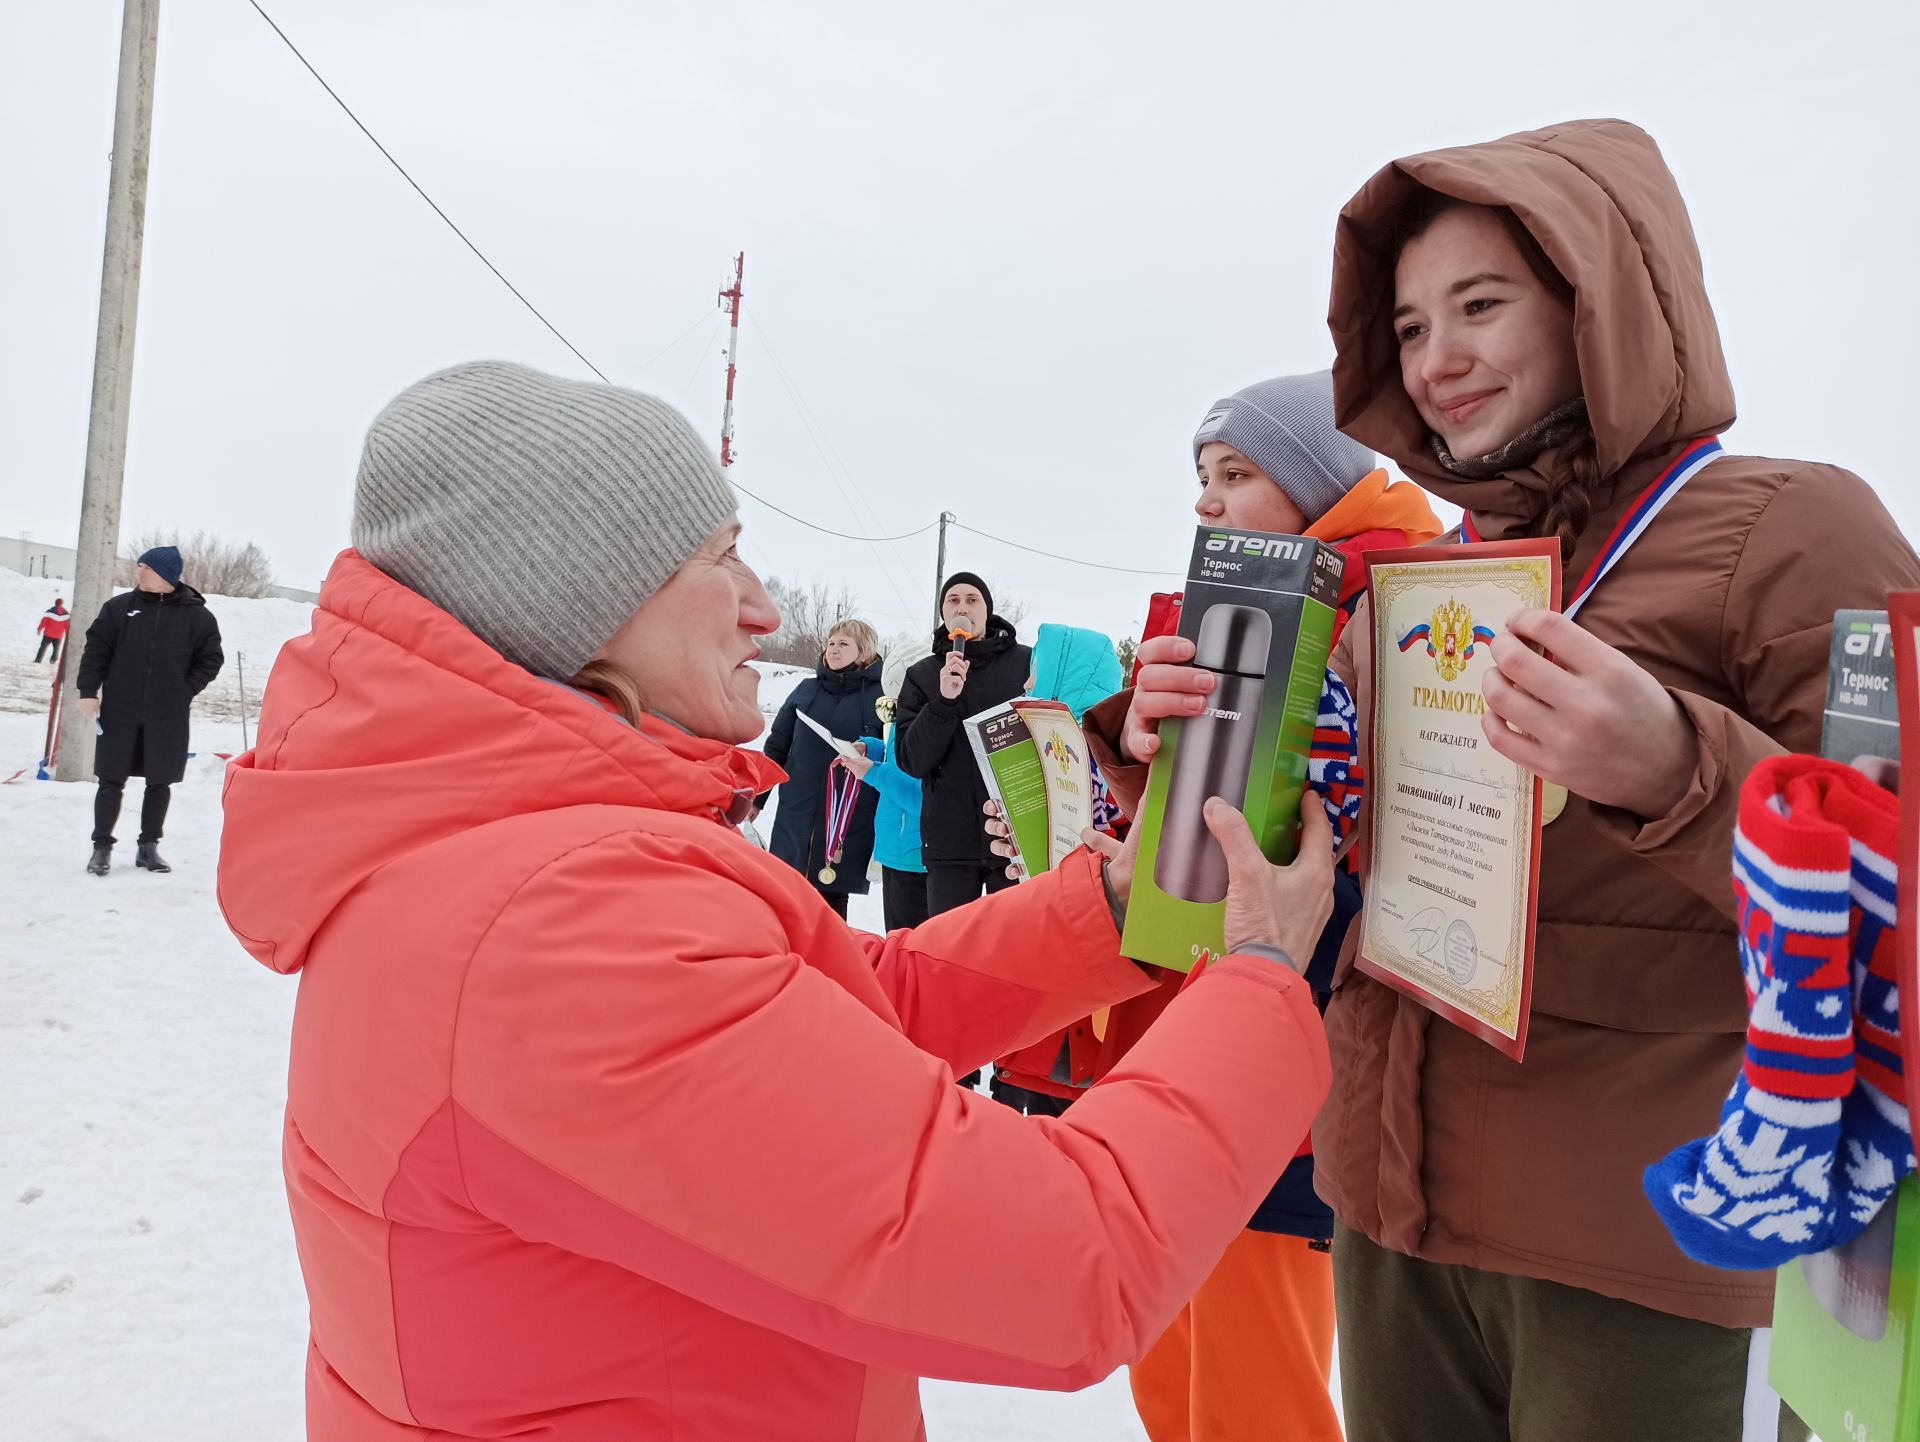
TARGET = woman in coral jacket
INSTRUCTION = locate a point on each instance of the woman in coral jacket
(570, 1142)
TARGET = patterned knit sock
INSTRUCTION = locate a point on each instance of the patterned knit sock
(1815, 1135)
(1333, 765)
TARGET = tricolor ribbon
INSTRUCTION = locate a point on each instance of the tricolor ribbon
(1688, 464)
(843, 795)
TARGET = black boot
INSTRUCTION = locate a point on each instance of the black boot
(147, 856)
(102, 861)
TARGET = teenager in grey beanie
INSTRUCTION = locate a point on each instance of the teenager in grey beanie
(1285, 427)
(538, 512)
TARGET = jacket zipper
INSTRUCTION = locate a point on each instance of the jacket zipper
(146, 685)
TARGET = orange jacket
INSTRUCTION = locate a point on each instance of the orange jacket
(571, 1145)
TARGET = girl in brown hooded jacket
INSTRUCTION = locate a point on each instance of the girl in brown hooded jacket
(1701, 653)
(1523, 327)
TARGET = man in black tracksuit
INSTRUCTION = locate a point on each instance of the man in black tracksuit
(154, 649)
(938, 693)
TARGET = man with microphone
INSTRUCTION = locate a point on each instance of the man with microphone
(977, 663)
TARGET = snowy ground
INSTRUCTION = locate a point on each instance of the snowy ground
(148, 1284)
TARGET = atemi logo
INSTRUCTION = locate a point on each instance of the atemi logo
(1236, 545)
(1868, 638)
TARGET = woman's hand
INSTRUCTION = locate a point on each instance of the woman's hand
(1280, 906)
(1162, 686)
(1119, 854)
(859, 765)
(1586, 716)
(1002, 844)
(953, 676)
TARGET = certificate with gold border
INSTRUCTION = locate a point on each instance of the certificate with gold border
(1453, 855)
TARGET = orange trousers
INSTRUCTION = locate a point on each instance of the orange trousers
(1249, 1358)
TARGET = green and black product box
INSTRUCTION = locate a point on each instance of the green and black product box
(1863, 703)
(1260, 611)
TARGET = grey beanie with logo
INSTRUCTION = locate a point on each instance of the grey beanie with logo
(539, 512)
(1286, 428)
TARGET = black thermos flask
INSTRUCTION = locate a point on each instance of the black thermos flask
(1215, 751)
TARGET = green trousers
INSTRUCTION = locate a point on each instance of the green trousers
(1431, 1352)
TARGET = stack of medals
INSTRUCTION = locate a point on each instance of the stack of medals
(843, 794)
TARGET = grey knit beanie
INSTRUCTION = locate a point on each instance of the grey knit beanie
(539, 512)
(1286, 428)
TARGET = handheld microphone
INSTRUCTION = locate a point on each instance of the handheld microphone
(959, 635)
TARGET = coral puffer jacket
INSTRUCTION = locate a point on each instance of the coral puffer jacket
(571, 1143)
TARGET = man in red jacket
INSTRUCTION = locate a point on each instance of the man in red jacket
(53, 630)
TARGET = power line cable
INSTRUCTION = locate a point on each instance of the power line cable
(800, 401)
(534, 310)
(424, 196)
(816, 433)
(1055, 556)
(694, 374)
(828, 530)
(661, 354)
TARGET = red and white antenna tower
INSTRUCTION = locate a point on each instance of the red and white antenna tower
(730, 299)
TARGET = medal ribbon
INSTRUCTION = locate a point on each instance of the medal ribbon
(1634, 523)
(843, 795)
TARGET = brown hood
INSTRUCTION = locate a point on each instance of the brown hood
(1599, 198)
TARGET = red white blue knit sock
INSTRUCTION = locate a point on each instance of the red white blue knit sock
(1815, 1135)
(1334, 772)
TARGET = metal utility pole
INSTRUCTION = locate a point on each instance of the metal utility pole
(947, 518)
(112, 357)
(730, 301)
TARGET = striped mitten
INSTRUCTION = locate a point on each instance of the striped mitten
(1814, 1136)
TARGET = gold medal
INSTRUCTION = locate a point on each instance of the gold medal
(1553, 800)
(828, 876)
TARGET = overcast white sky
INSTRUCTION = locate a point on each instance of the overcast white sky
(1007, 253)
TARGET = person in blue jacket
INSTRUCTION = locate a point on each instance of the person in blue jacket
(1076, 667)
(896, 821)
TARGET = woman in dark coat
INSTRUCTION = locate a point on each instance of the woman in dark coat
(844, 697)
(154, 649)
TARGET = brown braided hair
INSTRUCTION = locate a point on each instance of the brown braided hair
(1570, 502)
(608, 681)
